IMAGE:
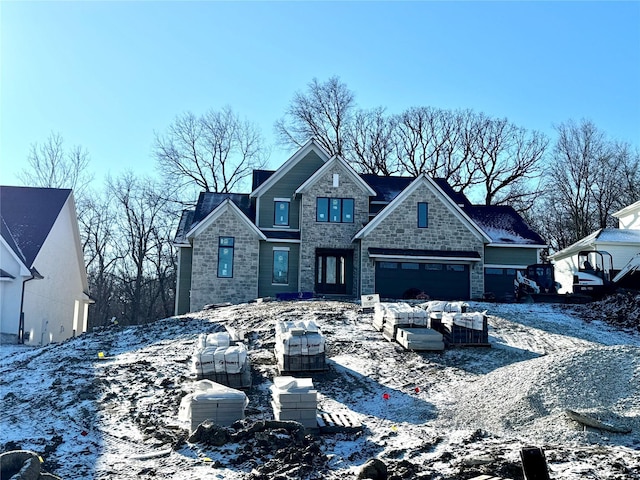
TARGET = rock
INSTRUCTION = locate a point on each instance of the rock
(374, 469)
(210, 433)
(20, 465)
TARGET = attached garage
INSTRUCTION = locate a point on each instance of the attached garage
(442, 275)
(498, 282)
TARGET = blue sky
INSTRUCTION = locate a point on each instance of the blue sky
(107, 75)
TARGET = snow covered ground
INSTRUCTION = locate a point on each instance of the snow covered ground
(456, 414)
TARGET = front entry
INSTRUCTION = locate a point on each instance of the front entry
(334, 271)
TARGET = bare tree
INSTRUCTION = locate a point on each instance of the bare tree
(52, 166)
(371, 142)
(322, 112)
(590, 177)
(97, 229)
(140, 204)
(215, 152)
(440, 143)
(509, 162)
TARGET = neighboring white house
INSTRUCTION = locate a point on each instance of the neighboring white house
(623, 243)
(43, 281)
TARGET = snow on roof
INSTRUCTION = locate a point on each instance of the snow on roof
(604, 235)
(503, 225)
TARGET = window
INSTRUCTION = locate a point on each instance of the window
(225, 257)
(280, 266)
(493, 271)
(389, 265)
(334, 210)
(433, 266)
(410, 266)
(423, 215)
(281, 213)
(455, 268)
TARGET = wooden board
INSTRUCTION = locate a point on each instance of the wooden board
(592, 422)
(338, 422)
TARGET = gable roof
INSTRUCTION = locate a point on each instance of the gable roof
(311, 145)
(226, 205)
(28, 214)
(207, 203)
(423, 180)
(504, 225)
(327, 166)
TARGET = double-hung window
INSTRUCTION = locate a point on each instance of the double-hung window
(423, 215)
(281, 213)
(225, 257)
(280, 266)
(334, 210)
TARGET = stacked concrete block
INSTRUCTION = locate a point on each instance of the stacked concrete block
(423, 339)
(217, 357)
(436, 308)
(295, 399)
(300, 347)
(212, 401)
(468, 328)
(388, 317)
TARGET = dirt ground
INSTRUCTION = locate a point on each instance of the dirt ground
(104, 405)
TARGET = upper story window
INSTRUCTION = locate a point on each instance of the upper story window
(423, 215)
(225, 257)
(334, 210)
(281, 212)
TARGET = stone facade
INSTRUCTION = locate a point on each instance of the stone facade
(206, 287)
(315, 235)
(445, 232)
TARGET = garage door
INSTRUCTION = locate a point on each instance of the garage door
(438, 280)
(499, 283)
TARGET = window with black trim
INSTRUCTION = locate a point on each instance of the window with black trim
(423, 215)
(281, 213)
(225, 257)
(280, 266)
(335, 210)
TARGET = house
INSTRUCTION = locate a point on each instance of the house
(43, 282)
(623, 243)
(315, 225)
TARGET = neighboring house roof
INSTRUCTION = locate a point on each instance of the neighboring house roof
(602, 237)
(28, 215)
(289, 164)
(435, 188)
(329, 164)
(226, 205)
(634, 207)
(503, 225)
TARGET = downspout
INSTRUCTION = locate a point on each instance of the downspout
(34, 276)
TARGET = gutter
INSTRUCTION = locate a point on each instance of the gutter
(35, 275)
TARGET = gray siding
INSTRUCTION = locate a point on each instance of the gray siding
(265, 284)
(183, 288)
(284, 188)
(510, 256)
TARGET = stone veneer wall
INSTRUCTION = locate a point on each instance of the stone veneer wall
(315, 235)
(445, 232)
(206, 287)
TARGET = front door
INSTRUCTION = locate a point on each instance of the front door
(332, 271)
